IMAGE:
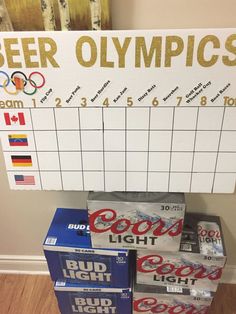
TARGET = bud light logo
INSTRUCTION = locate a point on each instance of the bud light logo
(82, 228)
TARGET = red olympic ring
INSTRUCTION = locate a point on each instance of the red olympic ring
(34, 85)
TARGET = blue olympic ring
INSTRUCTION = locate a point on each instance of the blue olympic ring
(8, 79)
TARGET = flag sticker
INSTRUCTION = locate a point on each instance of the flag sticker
(13, 119)
(24, 180)
(18, 140)
(21, 161)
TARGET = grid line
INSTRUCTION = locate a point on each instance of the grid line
(35, 145)
(194, 150)
(171, 147)
(59, 157)
(103, 150)
(217, 156)
(81, 146)
(126, 149)
(148, 150)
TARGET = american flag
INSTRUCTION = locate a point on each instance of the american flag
(24, 180)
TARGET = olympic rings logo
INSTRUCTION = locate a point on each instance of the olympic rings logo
(22, 84)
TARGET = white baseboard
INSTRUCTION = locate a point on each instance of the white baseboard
(37, 265)
(23, 264)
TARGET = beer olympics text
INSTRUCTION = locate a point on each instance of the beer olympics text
(112, 52)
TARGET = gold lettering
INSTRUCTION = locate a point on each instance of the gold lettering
(121, 50)
(173, 52)
(47, 56)
(190, 49)
(18, 104)
(11, 53)
(141, 49)
(2, 61)
(93, 48)
(8, 104)
(104, 62)
(201, 49)
(231, 48)
(28, 53)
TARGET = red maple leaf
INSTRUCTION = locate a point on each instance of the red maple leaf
(14, 119)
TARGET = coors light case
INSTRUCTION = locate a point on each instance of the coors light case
(136, 220)
(70, 256)
(198, 264)
(170, 300)
(74, 298)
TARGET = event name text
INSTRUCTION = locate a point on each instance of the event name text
(115, 52)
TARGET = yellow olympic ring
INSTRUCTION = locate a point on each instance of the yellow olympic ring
(7, 91)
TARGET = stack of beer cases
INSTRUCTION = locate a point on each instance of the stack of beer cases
(86, 280)
(178, 258)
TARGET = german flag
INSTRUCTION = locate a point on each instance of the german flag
(21, 161)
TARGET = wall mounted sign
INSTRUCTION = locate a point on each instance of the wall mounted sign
(119, 110)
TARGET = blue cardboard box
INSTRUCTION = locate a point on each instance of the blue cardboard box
(74, 298)
(70, 255)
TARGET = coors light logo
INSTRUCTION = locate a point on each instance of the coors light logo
(166, 271)
(152, 305)
(139, 230)
(209, 236)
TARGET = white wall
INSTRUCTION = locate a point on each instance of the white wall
(25, 216)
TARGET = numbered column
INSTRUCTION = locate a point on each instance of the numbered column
(225, 176)
(161, 123)
(183, 140)
(91, 124)
(207, 142)
(43, 121)
(69, 146)
(114, 148)
(137, 142)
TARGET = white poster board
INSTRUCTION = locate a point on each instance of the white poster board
(119, 110)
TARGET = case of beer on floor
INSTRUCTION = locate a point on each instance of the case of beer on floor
(197, 265)
(179, 260)
(136, 220)
(74, 298)
(156, 299)
(70, 256)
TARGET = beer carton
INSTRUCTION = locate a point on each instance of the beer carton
(170, 300)
(136, 220)
(198, 264)
(74, 298)
(70, 255)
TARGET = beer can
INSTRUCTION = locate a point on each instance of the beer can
(209, 237)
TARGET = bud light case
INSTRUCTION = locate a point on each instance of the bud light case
(136, 220)
(70, 255)
(74, 298)
(199, 263)
(170, 300)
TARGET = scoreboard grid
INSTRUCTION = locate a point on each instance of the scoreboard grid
(190, 149)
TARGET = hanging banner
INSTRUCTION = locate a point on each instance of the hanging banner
(119, 110)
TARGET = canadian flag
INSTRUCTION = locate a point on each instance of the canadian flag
(11, 119)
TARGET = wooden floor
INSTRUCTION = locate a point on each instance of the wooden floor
(20, 294)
